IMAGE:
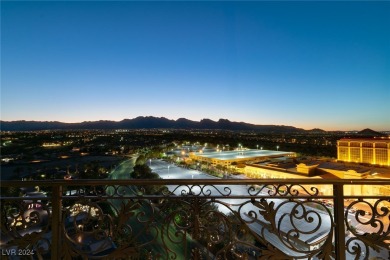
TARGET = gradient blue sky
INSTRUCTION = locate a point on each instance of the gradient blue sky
(306, 64)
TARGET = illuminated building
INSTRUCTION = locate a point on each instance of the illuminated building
(322, 170)
(226, 158)
(51, 144)
(264, 164)
(371, 151)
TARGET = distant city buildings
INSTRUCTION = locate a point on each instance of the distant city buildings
(367, 150)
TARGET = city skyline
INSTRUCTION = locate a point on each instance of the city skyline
(305, 64)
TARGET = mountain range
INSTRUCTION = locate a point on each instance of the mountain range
(153, 123)
(145, 123)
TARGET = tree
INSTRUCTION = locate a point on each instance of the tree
(144, 172)
(219, 168)
(140, 160)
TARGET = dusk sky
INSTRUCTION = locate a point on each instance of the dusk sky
(305, 64)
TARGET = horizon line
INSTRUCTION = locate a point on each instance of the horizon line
(112, 120)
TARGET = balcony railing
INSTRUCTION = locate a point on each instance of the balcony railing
(194, 219)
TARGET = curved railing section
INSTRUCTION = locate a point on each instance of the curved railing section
(193, 219)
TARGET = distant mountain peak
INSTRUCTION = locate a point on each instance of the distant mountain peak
(369, 132)
(317, 130)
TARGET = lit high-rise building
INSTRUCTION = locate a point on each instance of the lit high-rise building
(365, 150)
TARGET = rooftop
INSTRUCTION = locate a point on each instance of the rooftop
(379, 139)
(241, 154)
(345, 167)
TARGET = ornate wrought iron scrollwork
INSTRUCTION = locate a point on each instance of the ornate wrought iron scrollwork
(274, 190)
(215, 235)
(372, 219)
(197, 221)
(92, 233)
(199, 190)
(295, 224)
(24, 224)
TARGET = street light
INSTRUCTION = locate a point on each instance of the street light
(277, 148)
(257, 147)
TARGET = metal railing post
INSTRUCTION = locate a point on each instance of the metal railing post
(338, 191)
(56, 232)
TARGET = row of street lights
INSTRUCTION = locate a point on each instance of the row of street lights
(261, 148)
